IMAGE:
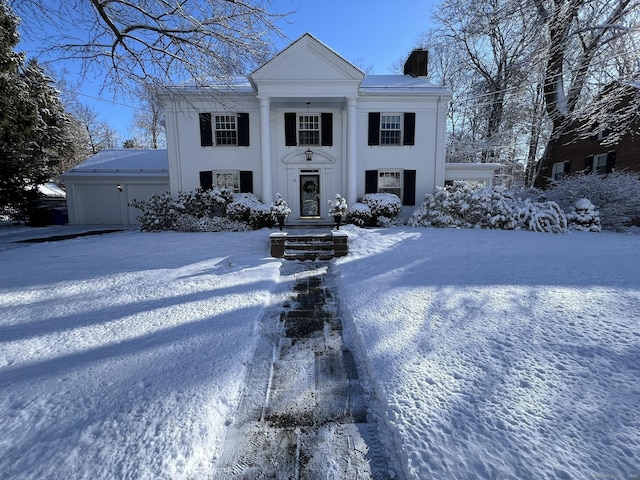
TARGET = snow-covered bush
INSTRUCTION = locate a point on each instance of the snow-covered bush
(384, 207)
(541, 217)
(462, 205)
(158, 213)
(338, 206)
(615, 195)
(200, 211)
(189, 223)
(279, 207)
(260, 216)
(584, 216)
(359, 215)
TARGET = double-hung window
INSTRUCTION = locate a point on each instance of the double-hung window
(224, 129)
(390, 129)
(600, 164)
(308, 130)
(390, 181)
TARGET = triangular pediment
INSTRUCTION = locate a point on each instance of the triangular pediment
(307, 60)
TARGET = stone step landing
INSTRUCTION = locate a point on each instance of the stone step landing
(313, 246)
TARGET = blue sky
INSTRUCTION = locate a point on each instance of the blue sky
(373, 34)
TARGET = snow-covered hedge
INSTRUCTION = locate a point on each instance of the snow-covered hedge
(616, 196)
(375, 209)
(210, 211)
(359, 215)
(462, 205)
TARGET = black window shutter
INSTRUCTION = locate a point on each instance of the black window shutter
(371, 181)
(246, 181)
(243, 129)
(409, 129)
(327, 129)
(290, 130)
(374, 128)
(611, 161)
(588, 164)
(567, 167)
(206, 180)
(206, 132)
(409, 190)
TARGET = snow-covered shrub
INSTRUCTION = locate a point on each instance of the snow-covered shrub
(385, 206)
(158, 212)
(338, 206)
(190, 223)
(462, 205)
(240, 208)
(359, 215)
(541, 217)
(260, 216)
(615, 195)
(492, 208)
(445, 207)
(279, 207)
(584, 216)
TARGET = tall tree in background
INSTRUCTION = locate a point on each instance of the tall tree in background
(585, 40)
(157, 41)
(34, 134)
(148, 120)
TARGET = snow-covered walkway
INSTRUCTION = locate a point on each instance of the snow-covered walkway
(305, 412)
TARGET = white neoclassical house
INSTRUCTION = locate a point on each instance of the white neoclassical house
(308, 125)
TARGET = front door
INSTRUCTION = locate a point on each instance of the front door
(310, 194)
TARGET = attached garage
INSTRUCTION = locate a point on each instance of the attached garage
(100, 189)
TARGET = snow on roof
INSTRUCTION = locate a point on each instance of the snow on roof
(125, 161)
(400, 84)
(51, 190)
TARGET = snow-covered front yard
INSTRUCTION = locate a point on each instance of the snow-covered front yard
(496, 354)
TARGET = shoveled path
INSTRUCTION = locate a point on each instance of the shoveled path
(305, 410)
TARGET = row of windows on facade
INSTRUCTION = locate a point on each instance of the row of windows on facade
(399, 182)
(307, 129)
(599, 164)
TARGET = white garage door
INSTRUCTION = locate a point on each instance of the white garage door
(99, 204)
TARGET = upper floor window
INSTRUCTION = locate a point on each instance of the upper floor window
(392, 128)
(224, 129)
(308, 130)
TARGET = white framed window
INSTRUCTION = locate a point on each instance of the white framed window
(227, 179)
(600, 164)
(557, 172)
(390, 129)
(309, 129)
(226, 128)
(390, 181)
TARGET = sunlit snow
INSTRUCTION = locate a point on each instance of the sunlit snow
(493, 354)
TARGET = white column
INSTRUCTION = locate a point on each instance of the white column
(352, 151)
(265, 149)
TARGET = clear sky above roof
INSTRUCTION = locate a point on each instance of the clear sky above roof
(371, 34)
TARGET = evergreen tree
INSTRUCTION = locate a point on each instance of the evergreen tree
(33, 125)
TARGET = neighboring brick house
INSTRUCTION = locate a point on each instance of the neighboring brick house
(593, 155)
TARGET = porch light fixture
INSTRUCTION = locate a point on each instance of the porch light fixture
(119, 187)
(308, 153)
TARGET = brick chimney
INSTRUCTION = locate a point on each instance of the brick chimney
(416, 64)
